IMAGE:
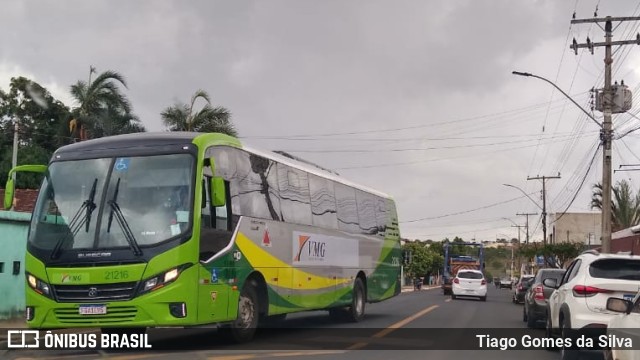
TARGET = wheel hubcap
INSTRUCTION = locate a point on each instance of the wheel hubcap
(245, 313)
(359, 303)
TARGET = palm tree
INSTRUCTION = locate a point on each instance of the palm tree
(625, 207)
(103, 109)
(113, 121)
(181, 117)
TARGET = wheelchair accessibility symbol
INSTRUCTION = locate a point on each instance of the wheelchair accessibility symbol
(122, 164)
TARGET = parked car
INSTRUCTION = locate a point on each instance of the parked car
(536, 298)
(469, 283)
(624, 325)
(579, 303)
(521, 288)
(505, 283)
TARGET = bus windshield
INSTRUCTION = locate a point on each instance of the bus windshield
(113, 202)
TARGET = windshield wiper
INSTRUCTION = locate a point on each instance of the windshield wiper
(90, 205)
(76, 222)
(114, 199)
(124, 225)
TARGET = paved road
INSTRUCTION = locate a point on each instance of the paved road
(411, 322)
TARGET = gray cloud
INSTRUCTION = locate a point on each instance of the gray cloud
(317, 67)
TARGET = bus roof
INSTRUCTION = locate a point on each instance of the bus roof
(130, 140)
(312, 170)
(177, 137)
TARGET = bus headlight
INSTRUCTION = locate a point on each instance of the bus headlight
(39, 286)
(161, 280)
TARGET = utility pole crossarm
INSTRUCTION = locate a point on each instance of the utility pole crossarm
(605, 19)
(599, 44)
(527, 223)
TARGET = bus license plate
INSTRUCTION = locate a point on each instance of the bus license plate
(93, 309)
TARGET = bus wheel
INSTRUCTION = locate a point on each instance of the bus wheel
(356, 310)
(244, 327)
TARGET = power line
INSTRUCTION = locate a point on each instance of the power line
(581, 184)
(463, 212)
(414, 149)
(447, 122)
(432, 160)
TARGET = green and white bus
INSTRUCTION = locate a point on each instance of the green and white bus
(188, 229)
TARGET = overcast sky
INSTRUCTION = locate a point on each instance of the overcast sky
(413, 98)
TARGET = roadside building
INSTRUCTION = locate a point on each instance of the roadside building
(584, 228)
(14, 226)
(626, 241)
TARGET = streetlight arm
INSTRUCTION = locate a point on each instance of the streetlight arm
(519, 73)
(525, 194)
(513, 222)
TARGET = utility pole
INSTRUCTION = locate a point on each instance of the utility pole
(518, 226)
(544, 202)
(14, 158)
(527, 223)
(609, 99)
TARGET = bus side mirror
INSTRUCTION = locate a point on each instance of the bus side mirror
(218, 194)
(10, 187)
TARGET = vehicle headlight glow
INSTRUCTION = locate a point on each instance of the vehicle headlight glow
(170, 275)
(162, 279)
(32, 281)
(39, 286)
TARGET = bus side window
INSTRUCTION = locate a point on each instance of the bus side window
(206, 203)
(215, 234)
(223, 218)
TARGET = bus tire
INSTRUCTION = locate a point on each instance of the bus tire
(244, 327)
(355, 312)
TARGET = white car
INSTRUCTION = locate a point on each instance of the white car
(625, 325)
(580, 299)
(469, 283)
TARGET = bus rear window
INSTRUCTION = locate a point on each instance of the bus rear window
(619, 269)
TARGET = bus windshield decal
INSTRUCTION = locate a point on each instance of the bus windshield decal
(122, 164)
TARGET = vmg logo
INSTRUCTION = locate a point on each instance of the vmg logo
(67, 278)
(310, 249)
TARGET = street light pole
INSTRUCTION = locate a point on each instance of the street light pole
(526, 214)
(525, 194)
(526, 74)
(605, 134)
(516, 226)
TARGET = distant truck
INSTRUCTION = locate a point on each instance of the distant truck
(455, 263)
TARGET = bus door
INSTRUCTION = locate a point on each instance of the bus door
(216, 231)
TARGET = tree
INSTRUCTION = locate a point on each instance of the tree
(625, 207)
(103, 109)
(556, 255)
(42, 127)
(423, 260)
(563, 252)
(181, 117)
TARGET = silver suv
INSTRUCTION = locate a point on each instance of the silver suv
(580, 299)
